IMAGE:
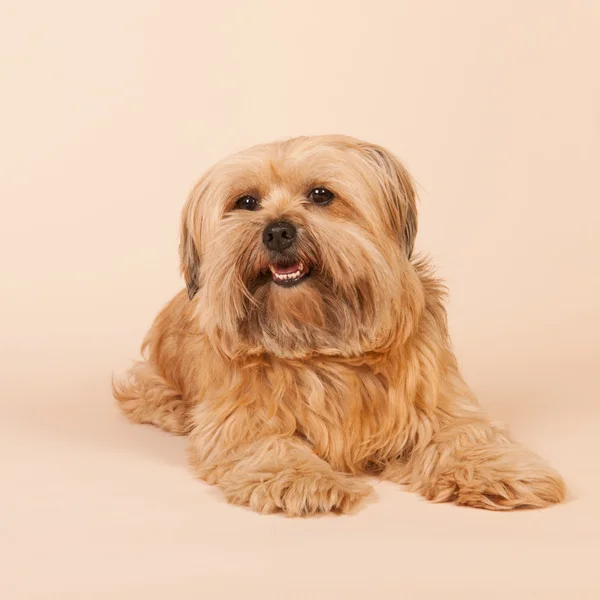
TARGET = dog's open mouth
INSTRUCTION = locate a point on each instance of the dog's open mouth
(289, 275)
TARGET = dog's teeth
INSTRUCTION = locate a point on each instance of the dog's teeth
(287, 276)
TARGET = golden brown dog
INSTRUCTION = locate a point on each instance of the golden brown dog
(311, 347)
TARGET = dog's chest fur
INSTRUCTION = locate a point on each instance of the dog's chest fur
(348, 413)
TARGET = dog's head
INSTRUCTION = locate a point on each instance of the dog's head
(300, 247)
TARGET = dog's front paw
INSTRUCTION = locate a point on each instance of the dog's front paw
(502, 483)
(526, 491)
(298, 494)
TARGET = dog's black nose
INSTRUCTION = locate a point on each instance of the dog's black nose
(279, 235)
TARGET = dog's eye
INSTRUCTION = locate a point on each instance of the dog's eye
(247, 203)
(321, 196)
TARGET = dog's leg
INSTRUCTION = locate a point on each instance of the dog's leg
(146, 397)
(268, 470)
(471, 461)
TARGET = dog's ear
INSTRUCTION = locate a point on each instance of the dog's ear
(190, 261)
(189, 253)
(400, 194)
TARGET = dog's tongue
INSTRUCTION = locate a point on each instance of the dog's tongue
(281, 270)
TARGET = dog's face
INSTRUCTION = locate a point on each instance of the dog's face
(300, 247)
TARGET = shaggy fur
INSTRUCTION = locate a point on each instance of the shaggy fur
(287, 395)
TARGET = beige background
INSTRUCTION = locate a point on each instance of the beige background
(109, 112)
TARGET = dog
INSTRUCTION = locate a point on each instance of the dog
(311, 347)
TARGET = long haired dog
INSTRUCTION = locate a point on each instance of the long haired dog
(311, 347)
